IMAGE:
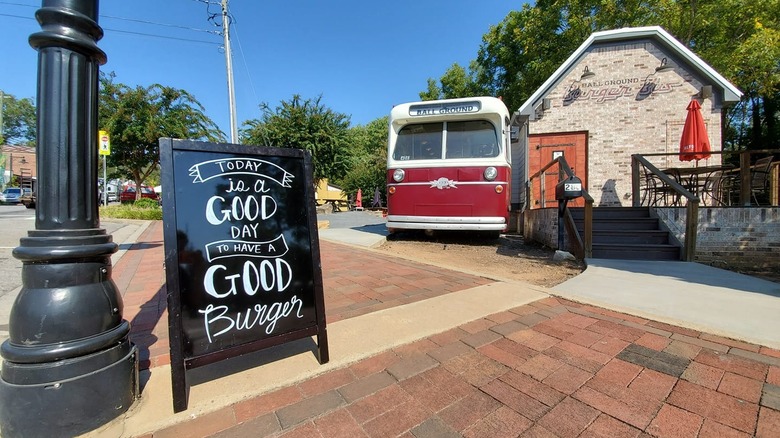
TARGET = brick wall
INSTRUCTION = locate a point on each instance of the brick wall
(620, 119)
(738, 239)
(733, 238)
(541, 225)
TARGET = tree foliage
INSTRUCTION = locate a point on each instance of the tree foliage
(738, 38)
(304, 124)
(136, 118)
(19, 121)
(368, 160)
(456, 82)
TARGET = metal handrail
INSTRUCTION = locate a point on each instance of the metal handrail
(692, 206)
(584, 243)
(744, 169)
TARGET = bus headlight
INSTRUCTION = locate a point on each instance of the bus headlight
(491, 173)
(398, 175)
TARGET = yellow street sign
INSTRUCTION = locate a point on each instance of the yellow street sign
(104, 143)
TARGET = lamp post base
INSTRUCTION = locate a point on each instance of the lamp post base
(33, 407)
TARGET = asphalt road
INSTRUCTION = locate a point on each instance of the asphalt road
(15, 222)
(352, 219)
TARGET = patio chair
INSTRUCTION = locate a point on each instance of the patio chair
(759, 179)
(656, 193)
(722, 189)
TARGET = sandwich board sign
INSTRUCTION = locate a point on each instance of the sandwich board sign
(242, 255)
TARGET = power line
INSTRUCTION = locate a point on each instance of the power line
(17, 16)
(160, 24)
(176, 26)
(246, 66)
(164, 37)
(19, 4)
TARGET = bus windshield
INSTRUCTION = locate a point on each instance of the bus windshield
(464, 139)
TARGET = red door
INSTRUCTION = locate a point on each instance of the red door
(543, 148)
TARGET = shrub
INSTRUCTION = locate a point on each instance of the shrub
(146, 203)
(137, 210)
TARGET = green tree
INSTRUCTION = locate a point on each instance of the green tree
(368, 160)
(456, 82)
(738, 38)
(19, 120)
(136, 118)
(304, 124)
(741, 40)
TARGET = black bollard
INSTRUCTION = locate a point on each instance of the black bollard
(68, 365)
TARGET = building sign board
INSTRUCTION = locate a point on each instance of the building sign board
(437, 109)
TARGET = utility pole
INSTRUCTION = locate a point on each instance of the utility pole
(68, 364)
(229, 64)
(2, 97)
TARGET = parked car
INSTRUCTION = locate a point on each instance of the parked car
(128, 193)
(11, 195)
(112, 194)
(28, 199)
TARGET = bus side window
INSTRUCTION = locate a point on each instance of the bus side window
(457, 145)
(427, 150)
(403, 148)
(487, 150)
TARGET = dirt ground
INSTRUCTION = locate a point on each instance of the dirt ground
(508, 257)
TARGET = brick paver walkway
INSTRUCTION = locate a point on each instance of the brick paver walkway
(549, 369)
(355, 281)
(553, 368)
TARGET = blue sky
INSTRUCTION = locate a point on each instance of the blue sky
(362, 56)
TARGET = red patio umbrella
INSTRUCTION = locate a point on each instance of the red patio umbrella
(359, 200)
(694, 144)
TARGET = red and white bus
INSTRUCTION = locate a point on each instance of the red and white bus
(449, 165)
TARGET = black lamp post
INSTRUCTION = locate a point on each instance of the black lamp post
(68, 366)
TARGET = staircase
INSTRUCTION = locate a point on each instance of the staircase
(629, 233)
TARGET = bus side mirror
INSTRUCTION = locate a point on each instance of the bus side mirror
(514, 134)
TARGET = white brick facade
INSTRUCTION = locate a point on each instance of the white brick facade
(620, 118)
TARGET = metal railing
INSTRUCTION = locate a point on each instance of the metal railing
(691, 206)
(584, 243)
(744, 176)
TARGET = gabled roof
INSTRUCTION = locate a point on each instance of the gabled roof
(655, 33)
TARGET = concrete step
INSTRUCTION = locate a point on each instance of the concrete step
(630, 236)
(612, 212)
(621, 224)
(636, 252)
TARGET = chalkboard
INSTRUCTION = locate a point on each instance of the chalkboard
(241, 253)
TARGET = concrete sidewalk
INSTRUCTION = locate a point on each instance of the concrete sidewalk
(687, 294)
(423, 351)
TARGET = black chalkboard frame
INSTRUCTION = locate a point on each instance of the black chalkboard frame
(180, 361)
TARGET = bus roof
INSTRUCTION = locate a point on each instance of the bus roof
(407, 112)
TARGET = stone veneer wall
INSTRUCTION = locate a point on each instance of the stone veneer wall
(734, 238)
(739, 239)
(541, 225)
(620, 120)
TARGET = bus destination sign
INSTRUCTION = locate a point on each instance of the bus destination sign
(440, 109)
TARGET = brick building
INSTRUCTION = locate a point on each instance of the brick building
(622, 92)
(18, 161)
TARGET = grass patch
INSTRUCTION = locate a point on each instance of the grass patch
(132, 210)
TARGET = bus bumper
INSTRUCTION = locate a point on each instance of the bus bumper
(446, 223)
